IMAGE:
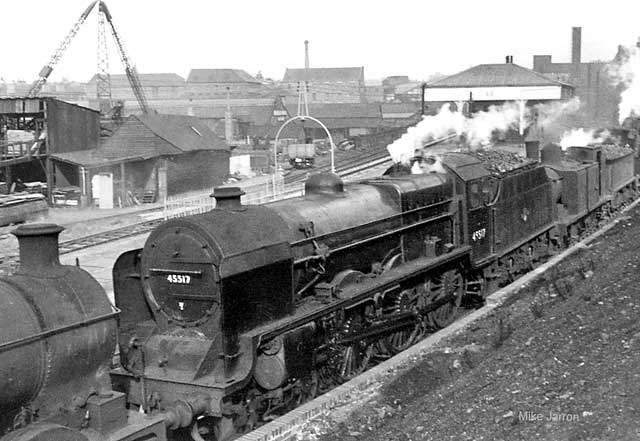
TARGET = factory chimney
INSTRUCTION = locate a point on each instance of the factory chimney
(306, 54)
(576, 44)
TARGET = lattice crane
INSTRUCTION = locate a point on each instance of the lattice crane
(37, 85)
(130, 69)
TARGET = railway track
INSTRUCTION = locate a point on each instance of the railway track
(9, 262)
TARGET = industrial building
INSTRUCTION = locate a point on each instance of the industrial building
(33, 130)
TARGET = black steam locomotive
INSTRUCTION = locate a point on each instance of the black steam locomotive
(232, 317)
(244, 311)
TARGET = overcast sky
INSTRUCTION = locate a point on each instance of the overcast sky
(399, 37)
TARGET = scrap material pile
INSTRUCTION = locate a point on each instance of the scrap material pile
(20, 207)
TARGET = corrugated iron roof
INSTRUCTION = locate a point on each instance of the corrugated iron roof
(324, 74)
(93, 158)
(496, 75)
(220, 76)
(186, 133)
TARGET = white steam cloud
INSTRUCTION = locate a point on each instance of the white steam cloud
(444, 123)
(626, 72)
(549, 113)
(478, 130)
(581, 138)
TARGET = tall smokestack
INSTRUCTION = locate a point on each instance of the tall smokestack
(306, 54)
(576, 44)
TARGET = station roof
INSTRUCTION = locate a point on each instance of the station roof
(220, 76)
(496, 75)
(148, 136)
(324, 74)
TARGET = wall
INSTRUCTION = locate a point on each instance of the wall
(330, 92)
(198, 170)
(219, 90)
(70, 127)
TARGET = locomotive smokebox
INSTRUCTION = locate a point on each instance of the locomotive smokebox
(228, 198)
(38, 246)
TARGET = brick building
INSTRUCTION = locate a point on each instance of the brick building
(593, 86)
(215, 83)
(156, 86)
(327, 84)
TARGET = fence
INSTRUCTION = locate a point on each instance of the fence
(259, 193)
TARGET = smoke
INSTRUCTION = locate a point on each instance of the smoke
(431, 127)
(478, 130)
(625, 71)
(481, 127)
(581, 138)
(549, 113)
(550, 119)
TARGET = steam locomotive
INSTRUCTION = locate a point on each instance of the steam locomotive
(244, 311)
(232, 317)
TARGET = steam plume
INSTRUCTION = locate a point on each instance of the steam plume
(625, 71)
(478, 129)
(581, 137)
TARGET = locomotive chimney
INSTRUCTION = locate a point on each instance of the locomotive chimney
(228, 198)
(38, 246)
(533, 149)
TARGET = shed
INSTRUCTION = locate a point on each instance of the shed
(151, 156)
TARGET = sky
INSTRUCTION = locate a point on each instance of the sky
(400, 37)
